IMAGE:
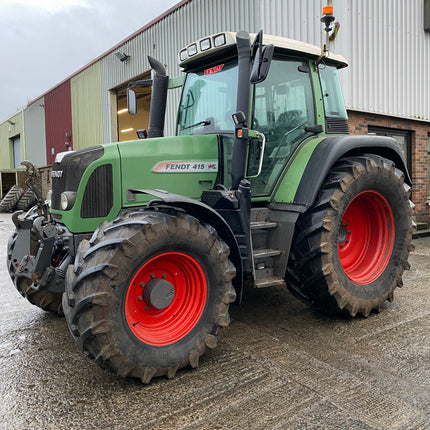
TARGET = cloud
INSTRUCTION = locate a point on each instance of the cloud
(45, 41)
(50, 6)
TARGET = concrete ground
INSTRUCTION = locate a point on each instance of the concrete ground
(280, 365)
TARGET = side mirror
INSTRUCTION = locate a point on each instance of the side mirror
(261, 66)
(131, 101)
(239, 118)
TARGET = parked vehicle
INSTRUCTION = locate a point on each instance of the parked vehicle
(146, 243)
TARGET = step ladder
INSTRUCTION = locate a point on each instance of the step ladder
(263, 256)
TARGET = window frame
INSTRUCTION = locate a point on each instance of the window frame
(391, 132)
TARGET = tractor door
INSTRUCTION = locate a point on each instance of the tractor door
(283, 107)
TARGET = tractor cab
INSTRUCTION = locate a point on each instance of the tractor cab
(284, 103)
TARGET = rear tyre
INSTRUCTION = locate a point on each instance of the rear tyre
(11, 198)
(351, 248)
(148, 293)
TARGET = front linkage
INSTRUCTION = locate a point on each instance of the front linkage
(39, 252)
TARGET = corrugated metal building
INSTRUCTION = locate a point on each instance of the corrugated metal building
(385, 86)
(34, 119)
(12, 148)
(87, 115)
(58, 121)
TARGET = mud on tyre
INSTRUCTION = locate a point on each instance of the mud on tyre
(350, 249)
(148, 293)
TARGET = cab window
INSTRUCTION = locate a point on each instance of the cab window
(283, 106)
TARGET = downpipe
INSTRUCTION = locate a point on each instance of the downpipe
(157, 111)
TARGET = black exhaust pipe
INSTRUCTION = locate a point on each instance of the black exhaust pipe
(160, 85)
(243, 91)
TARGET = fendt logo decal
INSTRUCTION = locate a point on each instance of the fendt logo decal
(215, 69)
(57, 174)
(186, 167)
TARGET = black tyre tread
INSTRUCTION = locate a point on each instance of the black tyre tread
(46, 300)
(311, 275)
(89, 282)
(11, 198)
(26, 200)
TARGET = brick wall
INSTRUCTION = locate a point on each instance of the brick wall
(358, 124)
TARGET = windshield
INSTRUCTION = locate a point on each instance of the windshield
(208, 101)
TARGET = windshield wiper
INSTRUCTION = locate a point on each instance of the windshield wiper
(205, 122)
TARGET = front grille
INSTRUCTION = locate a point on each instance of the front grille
(98, 196)
(68, 169)
(336, 126)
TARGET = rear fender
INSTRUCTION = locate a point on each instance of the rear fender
(326, 153)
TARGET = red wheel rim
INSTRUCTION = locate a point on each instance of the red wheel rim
(366, 237)
(168, 325)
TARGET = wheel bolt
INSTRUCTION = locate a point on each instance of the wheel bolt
(152, 275)
(164, 276)
(140, 298)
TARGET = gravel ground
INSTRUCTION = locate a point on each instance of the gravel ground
(279, 365)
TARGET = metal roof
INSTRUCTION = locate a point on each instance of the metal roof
(290, 45)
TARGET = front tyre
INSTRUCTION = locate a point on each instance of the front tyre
(148, 293)
(351, 248)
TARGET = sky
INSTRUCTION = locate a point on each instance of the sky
(45, 41)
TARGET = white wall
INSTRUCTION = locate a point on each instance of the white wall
(384, 42)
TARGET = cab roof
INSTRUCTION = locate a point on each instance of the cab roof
(224, 42)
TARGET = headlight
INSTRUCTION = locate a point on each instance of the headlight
(183, 55)
(192, 50)
(205, 44)
(67, 200)
(219, 40)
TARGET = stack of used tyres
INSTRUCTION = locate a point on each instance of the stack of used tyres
(17, 198)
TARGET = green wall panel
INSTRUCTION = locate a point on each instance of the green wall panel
(87, 108)
(8, 131)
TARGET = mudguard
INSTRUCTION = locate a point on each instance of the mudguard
(325, 155)
(205, 213)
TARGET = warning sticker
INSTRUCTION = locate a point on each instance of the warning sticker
(186, 167)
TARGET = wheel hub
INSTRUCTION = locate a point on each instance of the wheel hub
(158, 293)
(166, 298)
(343, 235)
(366, 237)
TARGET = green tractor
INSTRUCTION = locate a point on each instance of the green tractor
(145, 244)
